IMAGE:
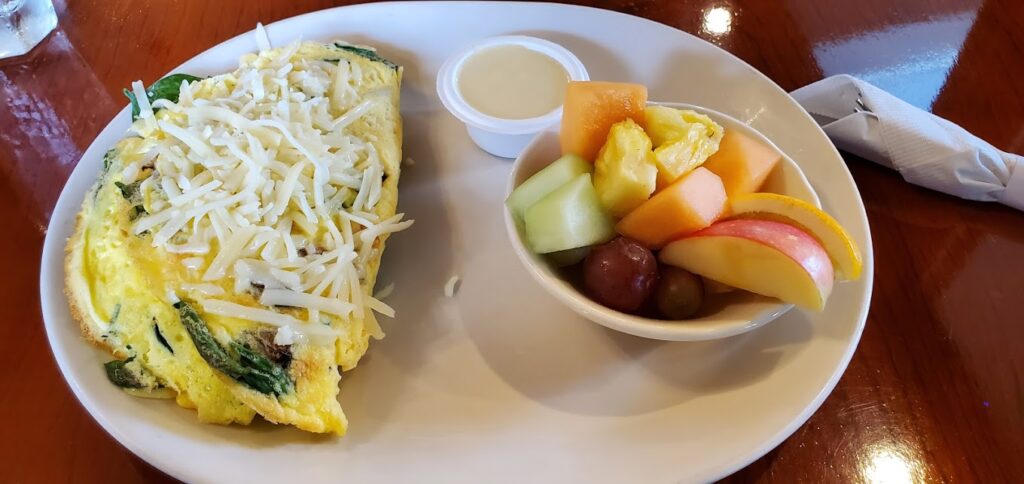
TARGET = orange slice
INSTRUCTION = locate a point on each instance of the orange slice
(841, 248)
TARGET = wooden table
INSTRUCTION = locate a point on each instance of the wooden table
(936, 389)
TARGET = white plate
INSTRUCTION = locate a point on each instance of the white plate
(502, 383)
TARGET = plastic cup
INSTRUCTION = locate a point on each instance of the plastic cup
(502, 137)
(23, 24)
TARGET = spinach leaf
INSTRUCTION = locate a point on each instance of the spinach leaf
(249, 368)
(137, 211)
(166, 88)
(262, 342)
(208, 347)
(108, 158)
(129, 191)
(367, 53)
(260, 367)
(115, 314)
(261, 374)
(160, 337)
(120, 374)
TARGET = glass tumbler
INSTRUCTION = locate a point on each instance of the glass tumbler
(23, 24)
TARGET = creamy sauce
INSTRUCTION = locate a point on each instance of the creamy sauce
(512, 82)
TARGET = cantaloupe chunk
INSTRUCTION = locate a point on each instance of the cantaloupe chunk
(692, 203)
(743, 163)
(590, 110)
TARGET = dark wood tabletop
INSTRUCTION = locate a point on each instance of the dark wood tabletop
(935, 391)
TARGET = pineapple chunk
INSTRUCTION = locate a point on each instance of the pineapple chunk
(624, 172)
(665, 124)
(683, 139)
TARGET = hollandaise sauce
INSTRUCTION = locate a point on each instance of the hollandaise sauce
(512, 82)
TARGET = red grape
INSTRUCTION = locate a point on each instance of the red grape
(620, 274)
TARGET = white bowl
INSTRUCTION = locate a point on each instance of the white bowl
(723, 315)
(502, 137)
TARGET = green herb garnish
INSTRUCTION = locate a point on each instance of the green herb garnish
(166, 88)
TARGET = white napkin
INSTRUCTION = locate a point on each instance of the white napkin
(926, 149)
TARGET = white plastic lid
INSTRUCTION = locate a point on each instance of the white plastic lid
(447, 85)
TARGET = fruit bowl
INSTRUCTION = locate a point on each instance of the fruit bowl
(723, 315)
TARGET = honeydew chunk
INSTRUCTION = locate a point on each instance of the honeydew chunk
(545, 181)
(568, 218)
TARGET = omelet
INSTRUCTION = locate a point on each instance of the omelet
(227, 254)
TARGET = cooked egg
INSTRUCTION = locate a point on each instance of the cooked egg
(185, 270)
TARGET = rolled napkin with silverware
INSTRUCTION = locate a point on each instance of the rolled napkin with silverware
(927, 150)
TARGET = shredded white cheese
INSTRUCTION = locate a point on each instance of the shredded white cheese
(282, 297)
(141, 99)
(451, 286)
(284, 336)
(273, 318)
(130, 173)
(204, 289)
(258, 172)
(262, 39)
(380, 307)
(385, 291)
(193, 263)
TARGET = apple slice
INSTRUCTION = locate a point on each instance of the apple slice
(768, 258)
(558, 173)
(567, 218)
(841, 248)
(712, 286)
